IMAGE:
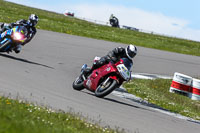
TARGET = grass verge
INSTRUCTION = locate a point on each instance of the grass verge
(21, 117)
(10, 12)
(157, 92)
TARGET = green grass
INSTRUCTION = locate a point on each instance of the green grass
(157, 92)
(21, 117)
(10, 12)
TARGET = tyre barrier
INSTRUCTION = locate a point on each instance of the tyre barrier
(186, 86)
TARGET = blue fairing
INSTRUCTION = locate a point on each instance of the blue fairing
(6, 41)
(9, 32)
(5, 48)
(3, 40)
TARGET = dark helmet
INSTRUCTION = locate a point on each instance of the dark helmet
(33, 19)
(131, 51)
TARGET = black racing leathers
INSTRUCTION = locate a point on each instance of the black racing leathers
(113, 56)
(114, 22)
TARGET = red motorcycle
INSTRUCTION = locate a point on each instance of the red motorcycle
(105, 79)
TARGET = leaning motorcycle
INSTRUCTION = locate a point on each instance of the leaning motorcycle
(104, 80)
(10, 38)
(114, 22)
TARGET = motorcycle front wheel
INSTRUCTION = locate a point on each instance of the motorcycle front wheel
(78, 84)
(106, 88)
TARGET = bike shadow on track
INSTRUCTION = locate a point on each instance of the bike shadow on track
(24, 60)
(145, 103)
(117, 101)
(137, 101)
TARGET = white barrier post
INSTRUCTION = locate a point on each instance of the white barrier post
(181, 84)
(195, 95)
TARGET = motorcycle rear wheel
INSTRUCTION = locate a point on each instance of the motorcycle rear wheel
(78, 84)
(103, 91)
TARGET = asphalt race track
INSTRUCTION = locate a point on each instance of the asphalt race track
(45, 69)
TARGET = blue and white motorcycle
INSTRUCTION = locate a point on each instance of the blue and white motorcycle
(10, 38)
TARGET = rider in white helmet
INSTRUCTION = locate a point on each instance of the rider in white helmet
(29, 24)
(131, 51)
(115, 55)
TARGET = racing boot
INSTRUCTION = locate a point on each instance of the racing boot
(18, 48)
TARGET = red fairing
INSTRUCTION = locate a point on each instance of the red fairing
(110, 70)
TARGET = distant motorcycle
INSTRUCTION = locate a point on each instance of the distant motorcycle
(105, 79)
(12, 37)
(114, 22)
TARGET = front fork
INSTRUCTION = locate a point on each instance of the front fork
(105, 82)
(82, 71)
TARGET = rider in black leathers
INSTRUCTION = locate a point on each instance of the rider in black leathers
(29, 24)
(114, 56)
(114, 22)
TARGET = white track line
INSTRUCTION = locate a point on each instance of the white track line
(149, 76)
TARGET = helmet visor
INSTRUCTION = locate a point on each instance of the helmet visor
(131, 53)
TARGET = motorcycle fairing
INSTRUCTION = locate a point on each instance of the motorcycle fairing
(4, 39)
(7, 36)
(93, 81)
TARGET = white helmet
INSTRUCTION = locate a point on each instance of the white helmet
(33, 19)
(131, 51)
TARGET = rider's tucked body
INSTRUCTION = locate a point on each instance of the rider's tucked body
(29, 24)
(114, 56)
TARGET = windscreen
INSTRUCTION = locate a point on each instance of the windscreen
(22, 29)
(127, 63)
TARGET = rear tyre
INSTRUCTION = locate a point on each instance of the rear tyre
(78, 84)
(104, 90)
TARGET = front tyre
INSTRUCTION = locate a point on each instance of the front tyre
(78, 84)
(105, 89)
